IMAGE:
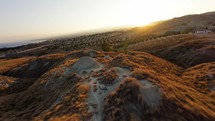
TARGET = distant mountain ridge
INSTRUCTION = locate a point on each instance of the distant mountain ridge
(180, 24)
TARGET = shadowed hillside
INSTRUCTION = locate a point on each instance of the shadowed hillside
(185, 50)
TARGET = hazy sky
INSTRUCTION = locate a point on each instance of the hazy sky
(28, 19)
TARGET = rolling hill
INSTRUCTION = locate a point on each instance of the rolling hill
(125, 75)
(180, 24)
(95, 85)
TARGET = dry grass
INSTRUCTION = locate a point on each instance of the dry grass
(183, 50)
(6, 65)
(127, 102)
(36, 67)
(108, 77)
(72, 106)
(5, 82)
(139, 74)
(54, 56)
(10, 85)
(190, 103)
(181, 100)
(201, 77)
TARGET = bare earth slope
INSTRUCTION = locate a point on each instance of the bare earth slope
(105, 86)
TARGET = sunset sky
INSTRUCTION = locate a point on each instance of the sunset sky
(30, 19)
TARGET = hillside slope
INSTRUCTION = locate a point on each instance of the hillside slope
(202, 77)
(179, 24)
(94, 85)
(185, 50)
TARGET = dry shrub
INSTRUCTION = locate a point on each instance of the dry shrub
(139, 74)
(117, 104)
(108, 77)
(123, 61)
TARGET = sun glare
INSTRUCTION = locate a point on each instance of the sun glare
(53, 17)
(143, 12)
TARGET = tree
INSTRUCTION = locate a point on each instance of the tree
(125, 47)
(171, 33)
(187, 30)
(107, 46)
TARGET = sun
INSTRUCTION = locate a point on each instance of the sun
(144, 12)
